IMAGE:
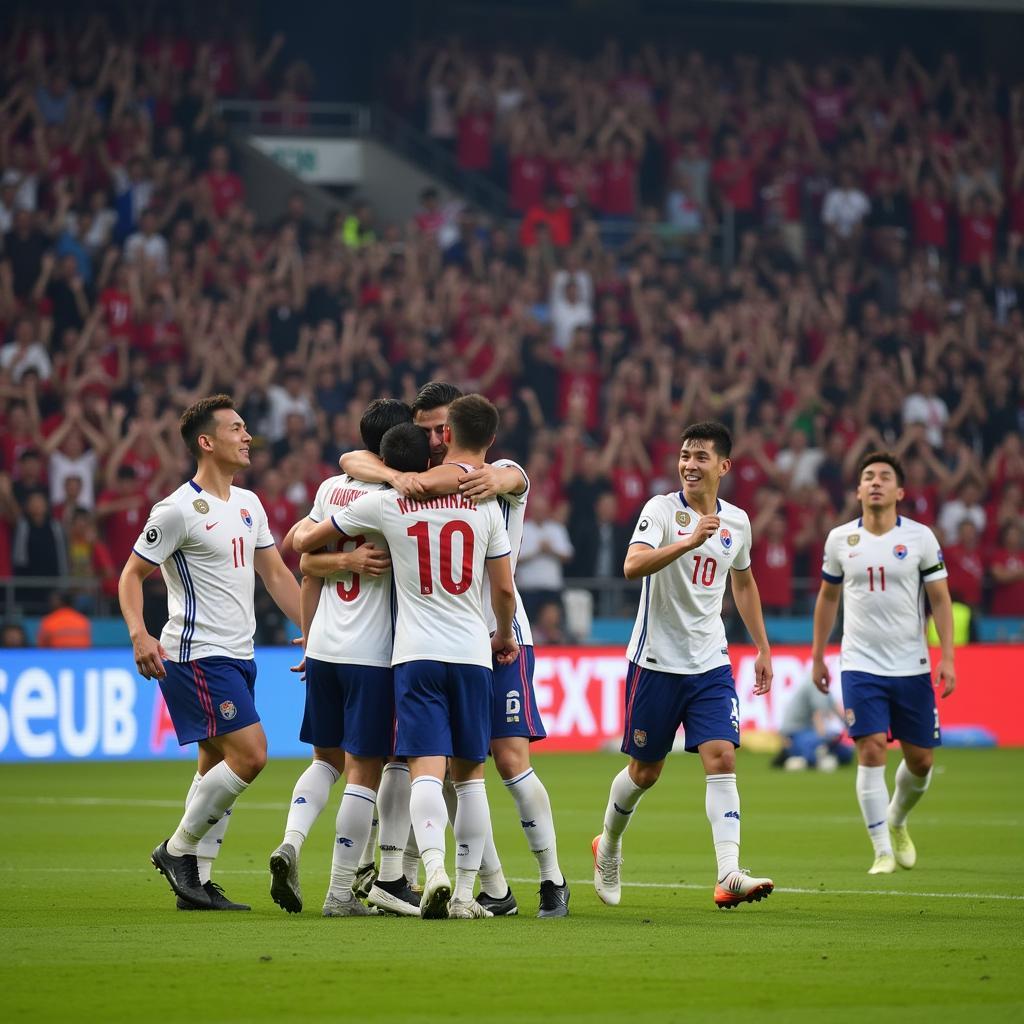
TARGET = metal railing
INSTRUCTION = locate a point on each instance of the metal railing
(31, 595)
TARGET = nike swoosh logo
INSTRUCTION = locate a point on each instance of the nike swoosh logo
(210, 526)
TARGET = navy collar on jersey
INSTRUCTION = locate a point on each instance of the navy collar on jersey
(718, 503)
(860, 522)
(195, 487)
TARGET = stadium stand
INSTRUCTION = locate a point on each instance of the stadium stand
(826, 257)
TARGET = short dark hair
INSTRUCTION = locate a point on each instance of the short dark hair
(473, 421)
(710, 430)
(406, 448)
(379, 417)
(198, 419)
(433, 395)
(888, 458)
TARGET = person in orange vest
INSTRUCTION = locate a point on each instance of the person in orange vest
(64, 626)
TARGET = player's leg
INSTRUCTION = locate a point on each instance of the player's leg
(210, 702)
(866, 700)
(469, 688)
(711, 719)
(352, 827)
(391, 892)
(424, 738)
(650, 722)
(915, 723)
(323, 728)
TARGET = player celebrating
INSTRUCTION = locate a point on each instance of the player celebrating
(442, 653)
(208, 538)
(350, 705)
(683, 547)
(878, 563)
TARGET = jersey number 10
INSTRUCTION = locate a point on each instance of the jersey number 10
(707, 577)
(421, 531)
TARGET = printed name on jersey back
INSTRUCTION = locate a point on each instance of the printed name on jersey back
(342, 496)
(455, 501)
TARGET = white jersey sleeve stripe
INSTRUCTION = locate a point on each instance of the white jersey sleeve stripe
(136, 551)
(645, 544)
(830, 578)
(263, 547)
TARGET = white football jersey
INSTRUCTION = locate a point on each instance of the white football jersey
(204, 547)
(353, 621)
(883, 594)
(438, 550)
(513, 510)
(679, 624)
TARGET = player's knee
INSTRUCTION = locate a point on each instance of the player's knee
(644, 773)
(511, 762)
(364, 771)
(872, 751)
(720, 763)
(919, 761)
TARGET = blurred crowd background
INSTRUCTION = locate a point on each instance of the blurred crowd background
(823, 252)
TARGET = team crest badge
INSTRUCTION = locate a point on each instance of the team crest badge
(640, 737)
(851, 718)
(683, 518)
(246, 518)
(201, 506)
(228, 710)
(726, 538)
(853, 539)
(900, 551)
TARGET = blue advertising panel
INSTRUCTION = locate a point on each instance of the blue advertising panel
(93, 705)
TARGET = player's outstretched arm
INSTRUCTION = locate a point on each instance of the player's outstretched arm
(503, 602)
(942, 612)
(364, 465)
(826, 608)
(310, 536)
(149, 654)
(279, 581)
(490, 481)
(748, 604)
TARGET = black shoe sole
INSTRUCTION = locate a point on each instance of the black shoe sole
(184, 905)
(199, 904)
(754, 897)
(280, 890)
(437, 908)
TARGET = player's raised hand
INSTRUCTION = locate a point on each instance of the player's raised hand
(505, 648)
(368, 560)
(820, 675)
(763, 673)
(149, 657)
(479, 485)
(707, 526)
(947, 676)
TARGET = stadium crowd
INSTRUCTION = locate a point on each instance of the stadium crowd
(875, 298)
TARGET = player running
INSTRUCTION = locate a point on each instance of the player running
(879, 563)
(440, 550)
(350, 705)
(683, 547)
(208, 538)
(516, 718)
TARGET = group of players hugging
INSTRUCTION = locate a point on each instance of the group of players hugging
(419, 658)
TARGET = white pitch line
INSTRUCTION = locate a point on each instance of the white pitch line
(584, 882)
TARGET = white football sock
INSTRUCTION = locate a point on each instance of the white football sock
(451, 800)
(309, 797)
(209, 846)
(722, 803)
(411, 855)
(622, 800)
(369, 854)
(874, 799)
(472, 827)
(492, 877)
(429, 818)
(393, 812)
(214, 794)
(534, 808)
(352, 826)
(909, 789)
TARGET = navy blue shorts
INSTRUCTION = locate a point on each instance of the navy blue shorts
(903, 707)
(443, 709)
(349, 706)
(657, 703)
(514, 711)
(209, 697)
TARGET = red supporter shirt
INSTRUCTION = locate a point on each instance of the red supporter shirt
(618, 188)
(772, 563)
(931, 223)
(117, 311)
(827, 109)
(559, 225)
(966, 574)
(630, 487)
(281, 517)
(977, 239)
(473, 144)
(563, 176)
(921, 503)
(225, 190)
(527, 178)
(749, 479)
(574, 383)
(121, 529)
(735, 180)
(1008, 598)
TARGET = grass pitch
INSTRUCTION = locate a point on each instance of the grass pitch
(88, 930)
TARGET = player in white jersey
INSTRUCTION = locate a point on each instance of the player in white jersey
(442, 654)
(882, 564)
(208, 538)
(516, 717)
(684, 546)
(350, 705)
